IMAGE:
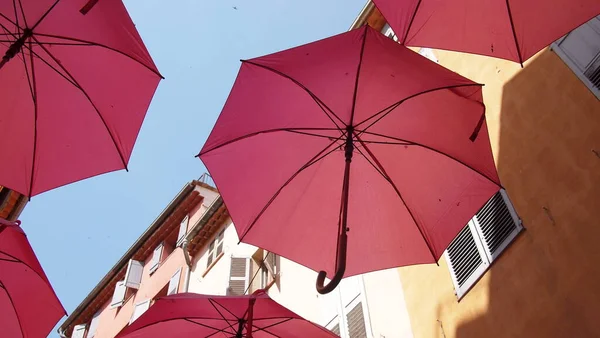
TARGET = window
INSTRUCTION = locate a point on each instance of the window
(139, 310)
(156, 257)
(239, 274)
(133, 276)
(486, 235)
(346, 305)
(389, 32)
(119, 295)
(580, 50)
(182, 228)
(174, 283)
(79, 331)
(215, 248)
(93, 325)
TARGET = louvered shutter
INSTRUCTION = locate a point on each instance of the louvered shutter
(156, 255)
(78, 331)
(174, 283)
(182, 228)
(93, 325)
(118, 295)
(139, 310)
(133, 276)
(466, 259)
(356, 322)
(497, 224)
(271, 263)
(238, 276)
(334, 325)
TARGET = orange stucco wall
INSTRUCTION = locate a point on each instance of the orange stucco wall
(545, 128)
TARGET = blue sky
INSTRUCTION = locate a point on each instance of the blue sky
(79, 231)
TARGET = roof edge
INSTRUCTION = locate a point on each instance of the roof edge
(188, 188)
(363, 15)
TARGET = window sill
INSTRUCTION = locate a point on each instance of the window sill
(212, 264)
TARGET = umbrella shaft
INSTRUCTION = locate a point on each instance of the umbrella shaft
(16, 47)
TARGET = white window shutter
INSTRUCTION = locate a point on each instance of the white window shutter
(334, 325)
(174, 283)
(93, 325)
(156, 255)
(133, 276)
(182, 228)
(139, 310)
(79, 331)
(119, 295)
(238, 276)
(355, 319)
(497, 224)
(271, 263)
(466, 259)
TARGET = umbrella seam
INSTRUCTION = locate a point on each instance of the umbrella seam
(14, 308)
(35, 121)
(411, 22)
(512, 26)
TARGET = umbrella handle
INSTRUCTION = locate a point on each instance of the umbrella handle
(339, 273)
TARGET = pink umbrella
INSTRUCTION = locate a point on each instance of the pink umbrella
(506, 29)
(74, 90)
(353, 146)
(28, 305)
(194, 315)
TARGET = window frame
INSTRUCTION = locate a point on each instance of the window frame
(573, 66)
(142, 303)
(156, 259)
(213, 248)
(485, 255)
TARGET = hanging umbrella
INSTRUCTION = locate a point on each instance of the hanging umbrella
(28, 305)
(74, 90)
(353, 146)
(195, 315)
(511, 30)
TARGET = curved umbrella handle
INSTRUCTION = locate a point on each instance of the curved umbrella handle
(341, 268)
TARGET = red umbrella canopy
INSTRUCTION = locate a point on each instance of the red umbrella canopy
(195, 315)
(29, 307)
(507, 29)
(356, 137)
(74, 90)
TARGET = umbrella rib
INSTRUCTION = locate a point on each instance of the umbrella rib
(412, 19)
(22, 12)
(385, 111)
(314, 97)
(220, 314)
(271, 325)
(30, 49)
(319, 156)
(383, 173)
(436, 151)
(512, 27)
(89, 100)
(27, 265)
(35, 119)
(261, 132)
(14, 308)
(207, 326)
(16, 16)
(264, 329)
(91, 43)
(360, 61)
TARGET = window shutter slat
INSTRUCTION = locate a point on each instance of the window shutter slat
(238, 276)
(78, 331)
(174, 283)
(497, 224)
(118, 295)
(356, 322)
(133, 276)
(464, 256)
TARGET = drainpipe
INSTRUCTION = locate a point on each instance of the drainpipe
(188, 262)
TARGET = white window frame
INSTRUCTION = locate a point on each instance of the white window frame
(215, 243)
(183, 227)
(156, 258)
(174, 281)
(79, 331)
(389, 32)
(486, 256)
(118, 295)
(133, 276)
(145, 303)
(94, 325)
(556, 47)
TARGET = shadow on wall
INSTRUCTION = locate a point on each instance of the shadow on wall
(547, 283)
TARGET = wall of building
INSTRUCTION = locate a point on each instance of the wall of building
(112, 321)
(544, 126)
